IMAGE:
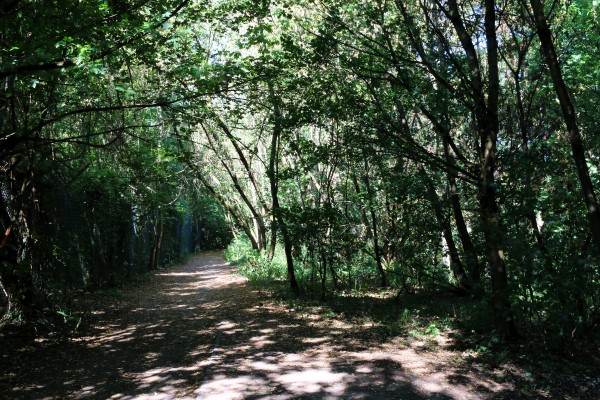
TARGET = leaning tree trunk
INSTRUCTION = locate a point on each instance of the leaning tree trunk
(250, 174)
(260, 230)
(233, 212)
(568, 111)
(471, 259)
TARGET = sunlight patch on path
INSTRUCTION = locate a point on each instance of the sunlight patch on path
(222, 387)
(322, 382)
(311, 381)
(275, 376)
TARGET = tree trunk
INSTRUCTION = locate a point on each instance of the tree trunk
(235, 215)
(456, 265)
(570, 118)
(272, 174)
(363, 213)
(323, 273)
(257, 222)
(463, 233)
(486, 119)
(376, 247)
(156, 241)
(161, 228)
(273, 243)
(450, 155)
(489, 125)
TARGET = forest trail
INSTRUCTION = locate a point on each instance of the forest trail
(200, 331)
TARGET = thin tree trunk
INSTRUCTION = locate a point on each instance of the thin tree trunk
(363, 214)
(463, 233)
(156, 241)
(455, 263)
(450, 155)
(273, 243)
(323, 273)
(235, 215)
(161, 228)
(272, 174)
(376, 247)
(244, 161)
(257, 221)
(529, 213)
(568, 111)
(529, 210)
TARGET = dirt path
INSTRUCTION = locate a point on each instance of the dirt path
(199, 331)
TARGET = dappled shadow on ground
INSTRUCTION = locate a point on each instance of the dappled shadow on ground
(149, 342)
(200, 331)
(268, 351)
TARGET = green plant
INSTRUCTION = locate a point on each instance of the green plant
(397, 326)
(256, 265)
(432, 330)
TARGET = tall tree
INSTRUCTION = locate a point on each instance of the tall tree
(570, 119)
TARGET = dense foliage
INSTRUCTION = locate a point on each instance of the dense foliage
(417, 145)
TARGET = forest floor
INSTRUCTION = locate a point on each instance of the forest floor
(201, 331)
